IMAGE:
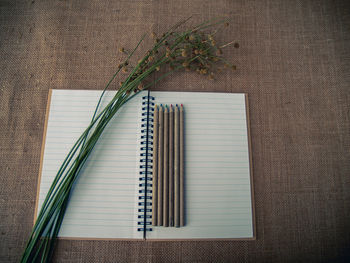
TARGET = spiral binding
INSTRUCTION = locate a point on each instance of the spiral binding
(145, 179)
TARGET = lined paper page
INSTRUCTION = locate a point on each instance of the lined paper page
(217, 174)
(103, 203)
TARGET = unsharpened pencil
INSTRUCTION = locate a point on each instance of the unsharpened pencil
(182, 181)
(160, 165)
(166, 168)
(176, 168)
(171, 166)
(155, 168)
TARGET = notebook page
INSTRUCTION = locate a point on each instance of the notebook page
(103, 203)
(218, 200)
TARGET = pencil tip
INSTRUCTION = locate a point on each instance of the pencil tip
(182, 105)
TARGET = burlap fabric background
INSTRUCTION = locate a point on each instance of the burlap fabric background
(293, 61)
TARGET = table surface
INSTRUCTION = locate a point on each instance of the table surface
(293, 61)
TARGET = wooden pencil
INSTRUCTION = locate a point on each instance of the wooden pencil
(160, 165)
(176, 168)
(155, 168)
(182, 181)
(171, 166)
(166, 168)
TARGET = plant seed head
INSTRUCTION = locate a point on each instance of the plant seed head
(218, 52)
(203, 71)
(140, 86)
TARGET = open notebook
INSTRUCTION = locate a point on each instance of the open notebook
(108, 199)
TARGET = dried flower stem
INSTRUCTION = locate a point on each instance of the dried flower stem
(228, 44)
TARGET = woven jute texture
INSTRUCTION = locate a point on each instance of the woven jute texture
(294, 63)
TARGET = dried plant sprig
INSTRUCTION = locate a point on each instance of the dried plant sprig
(192, 50)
